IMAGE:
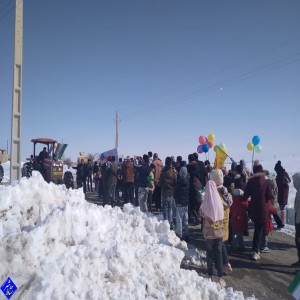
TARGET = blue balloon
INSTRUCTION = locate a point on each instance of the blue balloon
(255, 140)
(103, 155)
(205, 148)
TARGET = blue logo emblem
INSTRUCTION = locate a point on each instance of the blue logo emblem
(8, 288)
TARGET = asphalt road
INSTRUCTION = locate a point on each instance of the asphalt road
(267, 278)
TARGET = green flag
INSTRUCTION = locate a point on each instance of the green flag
(62, 150)
(294, 287)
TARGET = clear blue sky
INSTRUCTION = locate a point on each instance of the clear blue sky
(174, 70)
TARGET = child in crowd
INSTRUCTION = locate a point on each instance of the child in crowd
(182, 191)
(239, 216)
(212, 212)
(269, 227)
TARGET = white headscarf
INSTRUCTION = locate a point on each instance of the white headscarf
(183, 172)
(212, 205)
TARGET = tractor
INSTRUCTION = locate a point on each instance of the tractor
(51, 166)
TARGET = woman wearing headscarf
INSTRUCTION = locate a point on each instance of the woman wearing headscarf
(216, 175)
(213, 214)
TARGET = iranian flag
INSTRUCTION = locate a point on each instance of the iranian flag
(60, 149)
(294, 287)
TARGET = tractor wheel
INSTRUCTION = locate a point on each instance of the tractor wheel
(27, 170)
(68, 180)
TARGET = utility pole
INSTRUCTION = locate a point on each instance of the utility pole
(117, 130)
(15, 149)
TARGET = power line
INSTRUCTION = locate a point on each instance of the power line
(234, 80)
(4, 6)
(9, 10)
(224, 69)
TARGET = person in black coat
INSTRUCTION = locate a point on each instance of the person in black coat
(282, 181)
(182, 191)
(142, 182)
(79, 173)
(197, 182)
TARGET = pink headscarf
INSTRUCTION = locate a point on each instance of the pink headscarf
(212, 205)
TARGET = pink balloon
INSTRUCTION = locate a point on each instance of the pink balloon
(202, 139)
(199, 149)
(210, 144)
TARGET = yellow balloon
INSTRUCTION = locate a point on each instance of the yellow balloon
(211, 137)
(250, 146)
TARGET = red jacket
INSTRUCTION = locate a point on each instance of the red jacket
(269, 227)
(238, 212)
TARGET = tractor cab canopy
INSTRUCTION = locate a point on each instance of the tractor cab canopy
(55, 150)
(44, 141)
(50, 145)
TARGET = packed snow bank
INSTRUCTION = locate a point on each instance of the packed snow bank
(55, 245)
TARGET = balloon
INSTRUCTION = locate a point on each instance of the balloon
(210, 144)
(202, 139)
(255, 140)
(215, 148)
(257, 148)
(103, 155)
(211, 137)
(250, 146)
(199, 149)
(205, 148)
(222, 147)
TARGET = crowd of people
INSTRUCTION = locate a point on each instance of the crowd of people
(194, 193)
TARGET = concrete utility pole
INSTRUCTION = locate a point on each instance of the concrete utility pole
(117, 130)
(15, 149)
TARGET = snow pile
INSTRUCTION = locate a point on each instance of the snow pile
(55, 245)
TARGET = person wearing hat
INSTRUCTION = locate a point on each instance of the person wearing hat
(282, 181)
(260, 192)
